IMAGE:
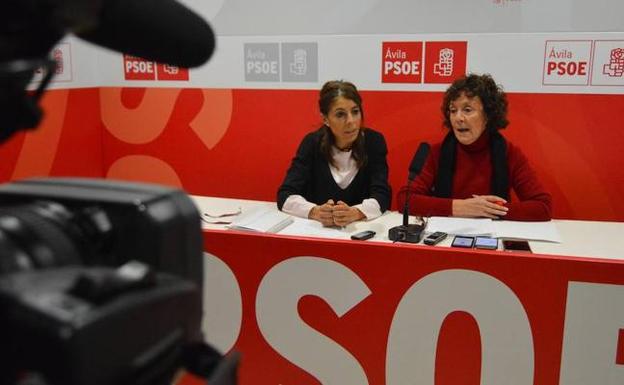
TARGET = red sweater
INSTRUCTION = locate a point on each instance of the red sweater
(473, 172)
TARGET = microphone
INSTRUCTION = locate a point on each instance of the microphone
(161, 30)
(406, 232)
(418, 161)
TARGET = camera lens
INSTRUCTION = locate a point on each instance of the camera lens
(46, 234)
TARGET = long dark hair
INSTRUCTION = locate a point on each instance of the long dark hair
(492, 97)
(329, 93)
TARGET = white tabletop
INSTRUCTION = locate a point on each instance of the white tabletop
(588, 239)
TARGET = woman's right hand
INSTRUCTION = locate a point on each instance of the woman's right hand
(323, 213)
(480, 206)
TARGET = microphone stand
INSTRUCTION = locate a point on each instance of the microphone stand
(407, 233)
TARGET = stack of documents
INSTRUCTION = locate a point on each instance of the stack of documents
(263, 219)
(537, 231)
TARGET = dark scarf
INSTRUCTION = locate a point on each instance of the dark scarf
(443, 185)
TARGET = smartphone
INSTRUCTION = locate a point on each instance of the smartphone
(363, 235)
(434, 238)
(462, 241)
(487, 243)
(516, 245)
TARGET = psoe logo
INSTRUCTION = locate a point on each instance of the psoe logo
(136, 68)
(299, 62)
(445, 61)
(61, 54)
(261, 62)
(615, 66)
(444, 65)
(608, 63)
(401, 62)
(169, 72)
(567, 62)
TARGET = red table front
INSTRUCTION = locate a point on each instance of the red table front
(318, 311)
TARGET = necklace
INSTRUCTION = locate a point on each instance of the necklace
(344, 149)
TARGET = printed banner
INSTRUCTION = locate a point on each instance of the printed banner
(572, 63)
(314, 311)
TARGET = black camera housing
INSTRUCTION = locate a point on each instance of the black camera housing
(157, 225)
(135, 337)
(78, 320)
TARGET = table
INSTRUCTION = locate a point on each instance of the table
(585, 239)
(306, 310)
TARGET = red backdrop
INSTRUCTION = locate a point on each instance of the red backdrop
(238, 143)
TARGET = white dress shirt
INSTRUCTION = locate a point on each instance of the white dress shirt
(344, 172)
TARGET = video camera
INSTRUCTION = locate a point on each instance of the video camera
(100, 283)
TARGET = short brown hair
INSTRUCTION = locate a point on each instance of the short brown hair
(492, 96)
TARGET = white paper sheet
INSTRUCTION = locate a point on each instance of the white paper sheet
(264, 219)
(311, 228)
(537, 231)
(461, 226)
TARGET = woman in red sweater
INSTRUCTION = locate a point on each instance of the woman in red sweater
(472, 171)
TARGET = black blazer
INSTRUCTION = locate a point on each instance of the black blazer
(309, 174)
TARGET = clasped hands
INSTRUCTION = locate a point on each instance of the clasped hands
(479, 206)
(335, 214)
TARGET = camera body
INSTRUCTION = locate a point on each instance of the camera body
(107, 223)
(72, 308)
(134, 337)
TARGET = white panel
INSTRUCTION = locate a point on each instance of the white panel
(517, 61)
(298, 17)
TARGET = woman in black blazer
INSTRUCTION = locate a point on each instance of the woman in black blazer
(340, 173)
